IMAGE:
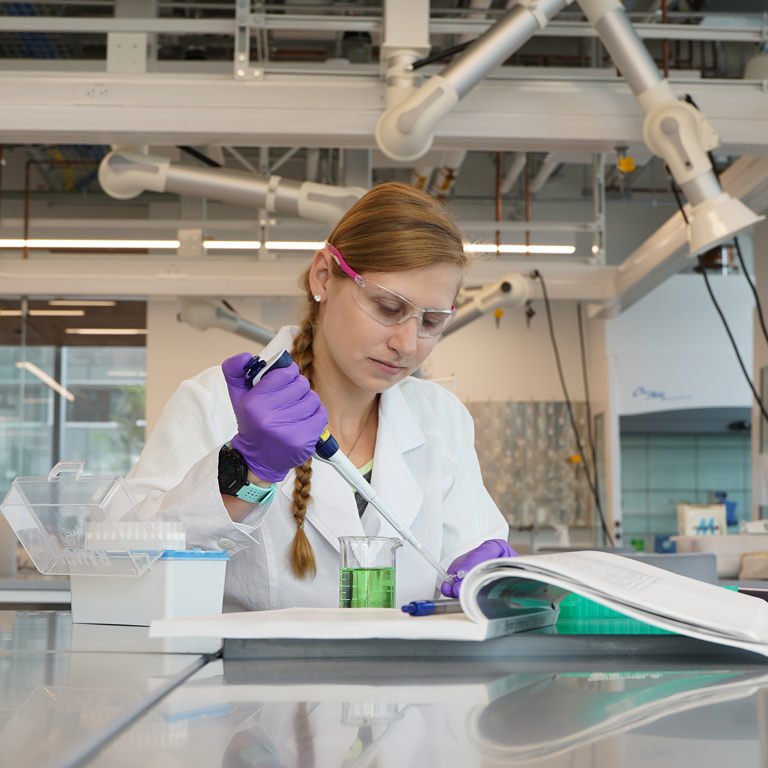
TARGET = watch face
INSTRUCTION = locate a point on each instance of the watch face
(233, 472)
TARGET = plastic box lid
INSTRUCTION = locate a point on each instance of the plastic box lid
(70, 523)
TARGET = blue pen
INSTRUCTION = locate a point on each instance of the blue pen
(428, 607)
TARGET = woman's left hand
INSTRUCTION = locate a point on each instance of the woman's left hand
(488, 550)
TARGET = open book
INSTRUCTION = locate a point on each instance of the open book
(638, 590)
(515, 594)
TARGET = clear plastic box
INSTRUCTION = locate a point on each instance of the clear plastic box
(73, 524)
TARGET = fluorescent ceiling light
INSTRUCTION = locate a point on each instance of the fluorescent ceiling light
(232, 245)
(43, 312)
(537, 249)
(479, 248)
(278, 245)
(125, 374)
(491, 248)
(270, 245)
(56, 312)
(46, 379)
(108, 331)
(88, 244)
(81, 303)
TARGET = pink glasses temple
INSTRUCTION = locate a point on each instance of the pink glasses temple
(344, 267)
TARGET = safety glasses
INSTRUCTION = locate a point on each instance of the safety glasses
(390, 308)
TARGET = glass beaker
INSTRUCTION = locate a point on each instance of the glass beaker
(367, 577)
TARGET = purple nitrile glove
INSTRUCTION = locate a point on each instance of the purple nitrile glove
(278, 421)
(488, 550)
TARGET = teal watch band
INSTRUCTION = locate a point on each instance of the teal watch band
(254, 494)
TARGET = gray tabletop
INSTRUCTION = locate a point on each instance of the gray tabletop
(63, 706)
(352, 714)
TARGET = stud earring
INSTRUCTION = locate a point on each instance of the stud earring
(318, 297)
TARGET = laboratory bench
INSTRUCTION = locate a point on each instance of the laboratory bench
(32, 591)
(112, 697)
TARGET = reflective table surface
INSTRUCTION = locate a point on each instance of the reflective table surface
(591, 713)
(53, 700)
(441, 714)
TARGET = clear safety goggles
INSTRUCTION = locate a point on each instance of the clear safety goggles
(390, 308)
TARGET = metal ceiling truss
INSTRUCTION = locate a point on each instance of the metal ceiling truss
(262, 19)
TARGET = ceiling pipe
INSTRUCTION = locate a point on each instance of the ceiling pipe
(125, 175)
(548, 167)
(446, 174)
(513, 174)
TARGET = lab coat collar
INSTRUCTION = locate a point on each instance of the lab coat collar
(337, 515)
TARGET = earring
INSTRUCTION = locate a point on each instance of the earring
(318, 297)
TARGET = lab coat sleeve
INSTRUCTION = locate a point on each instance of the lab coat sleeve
(196, 502)
(470, 516)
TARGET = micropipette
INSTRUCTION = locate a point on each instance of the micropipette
(327, 450)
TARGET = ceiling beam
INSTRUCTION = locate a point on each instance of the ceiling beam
(502, 114)
(140, 277)
(745, 32)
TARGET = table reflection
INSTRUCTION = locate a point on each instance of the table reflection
(355, 715)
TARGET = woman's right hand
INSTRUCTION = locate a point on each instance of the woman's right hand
(279, 420)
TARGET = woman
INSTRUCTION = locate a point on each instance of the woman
(365, 331)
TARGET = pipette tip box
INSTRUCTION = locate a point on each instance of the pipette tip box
(180, 583)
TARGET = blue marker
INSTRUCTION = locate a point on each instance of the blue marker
(428, 607)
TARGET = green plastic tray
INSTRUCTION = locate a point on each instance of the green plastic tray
(580, 616)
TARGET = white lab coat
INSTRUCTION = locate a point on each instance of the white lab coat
(425, 469)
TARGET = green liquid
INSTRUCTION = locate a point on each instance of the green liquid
(367, 588)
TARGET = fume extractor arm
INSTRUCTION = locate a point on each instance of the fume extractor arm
(210, 313)
(126, 174)
(673, 130)
(512, 290)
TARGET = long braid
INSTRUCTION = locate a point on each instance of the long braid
(302, 556)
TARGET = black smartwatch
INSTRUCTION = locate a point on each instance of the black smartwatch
(233, 478)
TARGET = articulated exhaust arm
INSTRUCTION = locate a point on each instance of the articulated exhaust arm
(405, 131)
(673, 130)
(125, 175)
(512, 290)
(209, 313)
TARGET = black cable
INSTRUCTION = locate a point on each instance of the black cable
(676, 192)
(733, 341)
(536, 274)
(758, 305)
(590, 434)
(752, 286)
(703, 270)
(433, 57)
(200, 156)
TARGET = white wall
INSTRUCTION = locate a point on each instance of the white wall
(512, 362)
(759, 474)
(176, 351)
(671, 349)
